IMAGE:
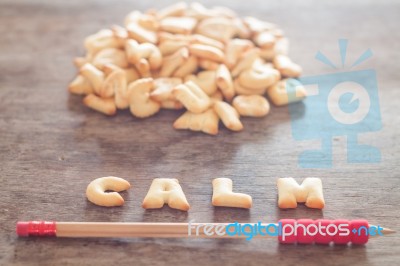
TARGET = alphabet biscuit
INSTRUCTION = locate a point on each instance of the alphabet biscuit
(165, 191)
(223, 195)
(96, 191)
(290, 193)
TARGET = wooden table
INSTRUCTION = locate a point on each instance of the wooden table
(51, 146)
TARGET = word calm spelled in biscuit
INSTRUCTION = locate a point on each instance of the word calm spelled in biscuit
(168, 191)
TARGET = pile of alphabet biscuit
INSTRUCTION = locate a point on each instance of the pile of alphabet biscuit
(207, 61)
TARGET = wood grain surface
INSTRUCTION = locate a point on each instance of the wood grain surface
(51, 146)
